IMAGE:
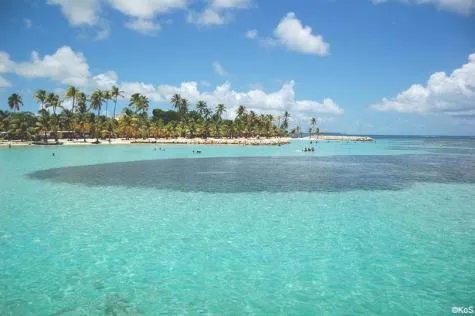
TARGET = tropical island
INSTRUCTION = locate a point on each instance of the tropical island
(86, 120)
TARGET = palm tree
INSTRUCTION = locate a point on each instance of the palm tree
(15, 101)
(43, 125)
(140, 103)
(135, 121)
(115, 94)
(201, 107)
(22, 125)
(106, 95)
(220, 109)
(183, 108)
(66, 120)
(181, 105)
(136, 102)
(72, 93)
(40, 97)
(4, 121)
(144, 104)
(81, 102)
(206, 113)
(176, 101)
(96, 103)
(313, 122)
(268, 124)
(285, 123)
(298, 131)
(128, 123)
(240, 111)
(53, 101)
(82, 114)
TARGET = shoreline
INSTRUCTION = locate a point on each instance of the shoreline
(340, 138)
(273, 141)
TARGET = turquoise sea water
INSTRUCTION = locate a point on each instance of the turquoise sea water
(381, 228)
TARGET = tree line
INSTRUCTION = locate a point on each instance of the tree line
(88, 116)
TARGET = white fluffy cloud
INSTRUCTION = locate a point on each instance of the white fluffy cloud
(207, 17)
(71, 68)
(144, 26)
(4, 83)
(252, 34)
(465, 7)
(328, 106)
(65, 66)
(105, 80)
(79, 12)
(256, 99)
(147, 9)
(295, 36)
(103, 31)
(230, 4)
(292, 34)
(6, 65)
(219, 69)
(143, 13)
(149, 90)
(217, 12)
(452, 94)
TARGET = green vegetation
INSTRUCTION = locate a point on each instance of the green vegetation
(84, 117)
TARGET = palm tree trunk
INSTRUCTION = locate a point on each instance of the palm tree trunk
(82, 132)
(113, 119)
(97, 125)
(72, 115)
(74, 100)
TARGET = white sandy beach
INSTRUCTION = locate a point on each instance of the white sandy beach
(273, 141)
(198, 141)
(341, 138)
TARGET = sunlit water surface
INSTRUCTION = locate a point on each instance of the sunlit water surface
(377, 228)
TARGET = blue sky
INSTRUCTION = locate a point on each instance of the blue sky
(360, 66)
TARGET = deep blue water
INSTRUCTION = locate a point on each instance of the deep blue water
(273, 174)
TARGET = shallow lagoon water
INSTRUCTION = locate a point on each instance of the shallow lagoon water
(387, 228)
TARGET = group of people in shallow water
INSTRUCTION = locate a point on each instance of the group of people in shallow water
(307, 149)
(163, 149)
